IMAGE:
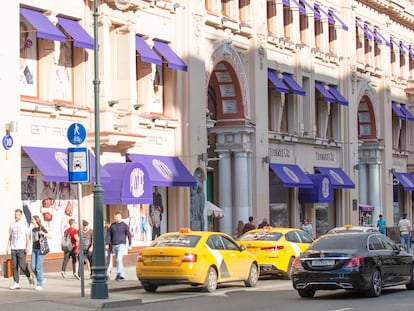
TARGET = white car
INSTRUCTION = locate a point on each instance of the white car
(351, 228)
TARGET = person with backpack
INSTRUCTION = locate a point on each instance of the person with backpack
(70, 247)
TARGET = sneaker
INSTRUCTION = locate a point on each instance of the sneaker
(31, 281)
(76, 276)
(15, 286)
(63, 274)
(39, 288)
(119, 278)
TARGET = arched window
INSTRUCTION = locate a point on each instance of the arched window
(366, 120)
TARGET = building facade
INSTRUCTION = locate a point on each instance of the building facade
(278, 109)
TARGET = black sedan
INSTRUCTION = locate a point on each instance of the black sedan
(361, 261)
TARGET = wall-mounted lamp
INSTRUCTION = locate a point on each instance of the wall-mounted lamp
(392, 171)
(203, 157)
(120, 126)
(137, 106)
(266, 159)
(59, 106)
(11, 127)
(155, 118)
(112, 103)
(356, 167)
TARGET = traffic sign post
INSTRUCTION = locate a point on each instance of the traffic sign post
(78, 171)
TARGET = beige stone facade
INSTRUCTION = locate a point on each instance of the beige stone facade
(217, 108)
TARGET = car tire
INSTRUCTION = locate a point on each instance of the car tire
(375, 286)
(210, 284)
(253, 276)
(149, 287)
(289, 268)
(410, 286)
(306, 293)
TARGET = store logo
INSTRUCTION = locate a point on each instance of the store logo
(163, 169)
(136, 182)
(291, 174)
(325, 187)
(62, 159)
(336, 176)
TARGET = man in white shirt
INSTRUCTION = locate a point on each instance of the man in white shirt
(405, 232)
(19, 245)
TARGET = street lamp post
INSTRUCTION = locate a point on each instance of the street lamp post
(99, 287)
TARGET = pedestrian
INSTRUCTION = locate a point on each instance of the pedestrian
(72, 231)
(381, 224)
(37, 258)
(249, 225)
(19, 245)
(108, 253)
(87, 237)
(405, 232)
(263, 224)
(117, 235)
(307, 227)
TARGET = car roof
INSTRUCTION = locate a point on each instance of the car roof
(275, 229)
(350, 228)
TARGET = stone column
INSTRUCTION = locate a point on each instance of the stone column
(375, 191)
(242, 209)
(225, 192)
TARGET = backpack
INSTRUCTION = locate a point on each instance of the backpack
(67, 245)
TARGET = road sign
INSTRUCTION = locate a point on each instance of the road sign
(78, 164)
(76, 134)
(7, 141)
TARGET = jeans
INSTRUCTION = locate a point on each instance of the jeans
(66, 256)
(37, 266)
(18, 257)
(405, 241)
(119, 251)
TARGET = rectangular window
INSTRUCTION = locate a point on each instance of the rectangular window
(332, 39)
(287, 21)
(245, 13)
(303, 27)
(271, 17)
(318, 33)
(359, 38)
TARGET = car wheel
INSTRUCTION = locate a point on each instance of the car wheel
(375, 286)
(289, 268)
(253, 276)
(410, 286)
(306, 293)
(210, 284)
(149, 287)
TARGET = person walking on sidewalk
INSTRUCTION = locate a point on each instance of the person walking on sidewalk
(74, 237)
(37, 259)
(117, 235)
(18, 245)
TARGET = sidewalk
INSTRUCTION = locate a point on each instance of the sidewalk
(67, 291)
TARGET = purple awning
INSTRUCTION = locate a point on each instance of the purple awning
(321, 191)
(339, 179)
(366, 207)
(44, 27)
(145, 52)
(279, 85)
(173, 60)
(339, 97)
(129, 184)
(165, 171)
(325, 93)
(290, 175)
(291, 82)
(81, 38)
(53, 163)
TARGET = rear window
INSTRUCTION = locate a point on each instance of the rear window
(345, 241)
(261, 236)
(177, 240)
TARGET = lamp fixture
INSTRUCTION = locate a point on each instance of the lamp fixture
(203, 157)
(137, 106)
(11, 127)
(266, 159)
(59, 106)
(112, 103)
(155, 118)
(391, 171)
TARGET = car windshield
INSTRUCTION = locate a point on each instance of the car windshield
(346, 241)
(261, 236)
(177, 240)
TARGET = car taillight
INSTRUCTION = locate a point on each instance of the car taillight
(354, 262)
(139, 258)
(268, 249)
(189, 258)
(296, 263)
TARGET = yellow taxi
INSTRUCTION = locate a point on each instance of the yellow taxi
(198, 258)
(275, 248)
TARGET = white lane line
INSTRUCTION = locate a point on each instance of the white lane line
(344, 309)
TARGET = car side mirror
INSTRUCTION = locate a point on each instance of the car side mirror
(242, 248)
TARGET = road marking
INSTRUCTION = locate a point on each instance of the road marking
(344, 309)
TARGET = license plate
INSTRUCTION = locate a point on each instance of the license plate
(323, 262)
(161, 259)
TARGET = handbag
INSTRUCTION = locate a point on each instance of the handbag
(44, 245)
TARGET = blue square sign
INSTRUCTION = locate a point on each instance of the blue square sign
(78, 164)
